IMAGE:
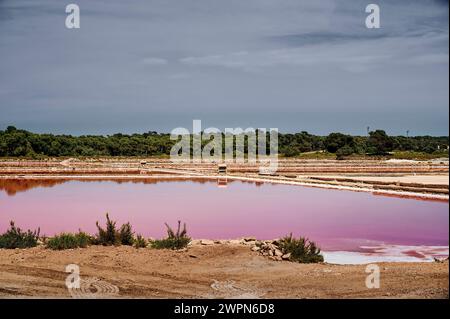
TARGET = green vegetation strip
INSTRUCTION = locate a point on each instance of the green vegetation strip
(299, 250)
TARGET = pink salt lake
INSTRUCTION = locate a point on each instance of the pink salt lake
(350, 227)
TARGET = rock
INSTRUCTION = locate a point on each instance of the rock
(256, 248)
(250, 243)
(278, 258)
(278, 253)
(440, 259)
(206, 242)
(194, 242)
(249, 239)
(286, 256)
(235, 242)
(271, 252)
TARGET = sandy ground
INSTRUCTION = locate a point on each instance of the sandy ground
(217, 271)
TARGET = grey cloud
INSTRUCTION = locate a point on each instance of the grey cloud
(154, 61)
(158, 64)
(359, 55)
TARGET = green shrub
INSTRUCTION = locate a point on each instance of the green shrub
(69, 241)
(302, 250)
(344, 151)
(140, 242)
(173, 240)
(110, 235)
(14, 237)
(126, 235)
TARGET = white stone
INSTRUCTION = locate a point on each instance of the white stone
(286, 256)
(207, 242)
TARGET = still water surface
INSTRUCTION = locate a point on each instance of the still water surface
(343, 223)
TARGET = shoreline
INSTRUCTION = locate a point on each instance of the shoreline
(381, 253)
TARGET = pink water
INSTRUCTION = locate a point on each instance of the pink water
(336, 220)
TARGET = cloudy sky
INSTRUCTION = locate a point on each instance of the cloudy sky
(142, 65)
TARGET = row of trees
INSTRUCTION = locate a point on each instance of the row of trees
(15, 143)
(377, 143)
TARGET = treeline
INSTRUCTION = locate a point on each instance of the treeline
(20, 143)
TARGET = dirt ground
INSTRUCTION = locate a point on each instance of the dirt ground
(216, 271)
(419, 179)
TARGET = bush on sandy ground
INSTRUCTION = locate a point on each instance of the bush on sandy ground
(173, 240)
(14, 237)
(140, 242)
(113, 236)
(110, 235)
(68, 241)
(126, 235)
(301, 250)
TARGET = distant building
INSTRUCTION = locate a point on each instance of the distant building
(222, 168)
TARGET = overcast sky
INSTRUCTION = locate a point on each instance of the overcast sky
(142, 65)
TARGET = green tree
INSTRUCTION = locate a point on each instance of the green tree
(344, 151)
(379, 142)
(335, 141)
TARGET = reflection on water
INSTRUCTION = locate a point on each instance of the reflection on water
(337, 220)
(13, 186)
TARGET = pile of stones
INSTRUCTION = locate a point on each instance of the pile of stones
(270, 249)
(267, 248)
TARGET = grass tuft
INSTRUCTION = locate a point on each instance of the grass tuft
(140, 242)
(174, 240)
(108, 236)
(126, 235)
(69, 241)
(14, 237)
(301, 250)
